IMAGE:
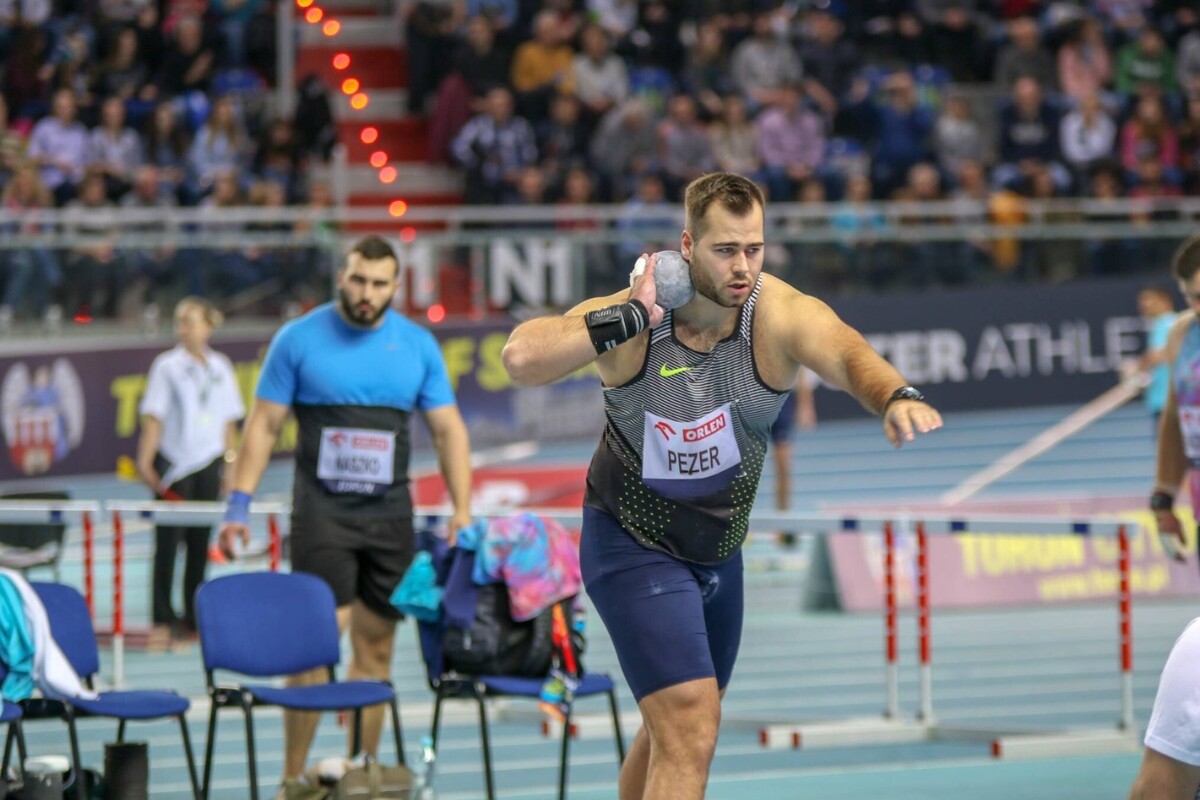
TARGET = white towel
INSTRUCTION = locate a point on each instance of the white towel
(52, 672)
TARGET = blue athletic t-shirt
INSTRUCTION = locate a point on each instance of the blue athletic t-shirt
(352, 390)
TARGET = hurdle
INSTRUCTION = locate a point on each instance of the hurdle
(152, 512)
(891, 725)
(1017, 744)
(56, 512)
(1004, 743)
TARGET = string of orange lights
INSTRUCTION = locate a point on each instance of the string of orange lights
(359, 100)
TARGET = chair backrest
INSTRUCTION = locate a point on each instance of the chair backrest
(70, 625)
(33, 535)
(267, 623)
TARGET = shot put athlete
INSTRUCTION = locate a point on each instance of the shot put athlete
(690, 394)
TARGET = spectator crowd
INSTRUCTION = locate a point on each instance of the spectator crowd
(154, 104)
(143, 104)
(845, 101)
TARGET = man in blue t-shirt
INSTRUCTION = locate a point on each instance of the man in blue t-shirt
(352, 371)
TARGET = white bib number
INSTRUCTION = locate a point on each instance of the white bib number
(1189, 425)
(690, 459)
(356, 460)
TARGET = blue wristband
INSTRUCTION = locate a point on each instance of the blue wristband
(238, 509)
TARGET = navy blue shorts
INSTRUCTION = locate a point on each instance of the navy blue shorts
(670, 621)
(781, 428)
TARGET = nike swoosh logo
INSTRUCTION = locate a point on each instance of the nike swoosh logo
(668, 372)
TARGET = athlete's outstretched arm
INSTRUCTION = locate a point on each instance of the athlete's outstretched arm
(1171, 464)
(838, 353)
(544, 349)
(263, 425)
(1171, 461)
(1163, 778)
(453, 446)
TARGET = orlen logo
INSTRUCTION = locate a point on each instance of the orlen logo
(707, 429)
(666, 430)
(338, 439)
(369, 443)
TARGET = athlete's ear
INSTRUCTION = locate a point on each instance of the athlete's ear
(685, 245)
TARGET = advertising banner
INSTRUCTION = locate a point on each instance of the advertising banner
(72, 409)
(999, 346)
(1019, 569)
(75, 411)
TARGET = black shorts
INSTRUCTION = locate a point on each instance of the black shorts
(670, 621)
(360, 559)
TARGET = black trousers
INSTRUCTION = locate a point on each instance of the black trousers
(204, 484)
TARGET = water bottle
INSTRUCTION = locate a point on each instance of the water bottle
(52, 319)
(151, 320)
(579, 629)
(423, 782)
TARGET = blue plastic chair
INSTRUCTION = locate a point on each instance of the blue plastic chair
(71, 627)
(447, 684)
(268, 624)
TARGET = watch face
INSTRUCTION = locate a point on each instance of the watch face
(907, 393)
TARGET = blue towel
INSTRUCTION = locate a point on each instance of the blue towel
(468, 538)
(418, 594)
(16, 644)
(461, 593)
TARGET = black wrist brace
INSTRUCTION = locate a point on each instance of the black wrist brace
(614, 325)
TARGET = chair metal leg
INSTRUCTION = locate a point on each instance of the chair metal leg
(396, 730)
(209, 745)
(356, 735)
(436, 726)
(8, 743)
(15, 731)
(120, 731)
(21, 752)
(248, 712)
(616, 717)
(485, 740)
(191, 760)
(563, 753)
(75, 759)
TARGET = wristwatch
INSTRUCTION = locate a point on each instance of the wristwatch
(1161, 501)
(903, 393)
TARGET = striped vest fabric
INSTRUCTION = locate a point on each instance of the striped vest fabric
(687, 399)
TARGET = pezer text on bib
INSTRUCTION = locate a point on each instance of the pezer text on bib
(690, 459)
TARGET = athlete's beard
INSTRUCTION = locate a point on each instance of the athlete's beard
(706, 287)
(366, 319)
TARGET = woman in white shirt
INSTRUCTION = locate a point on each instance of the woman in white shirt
(189, 413)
